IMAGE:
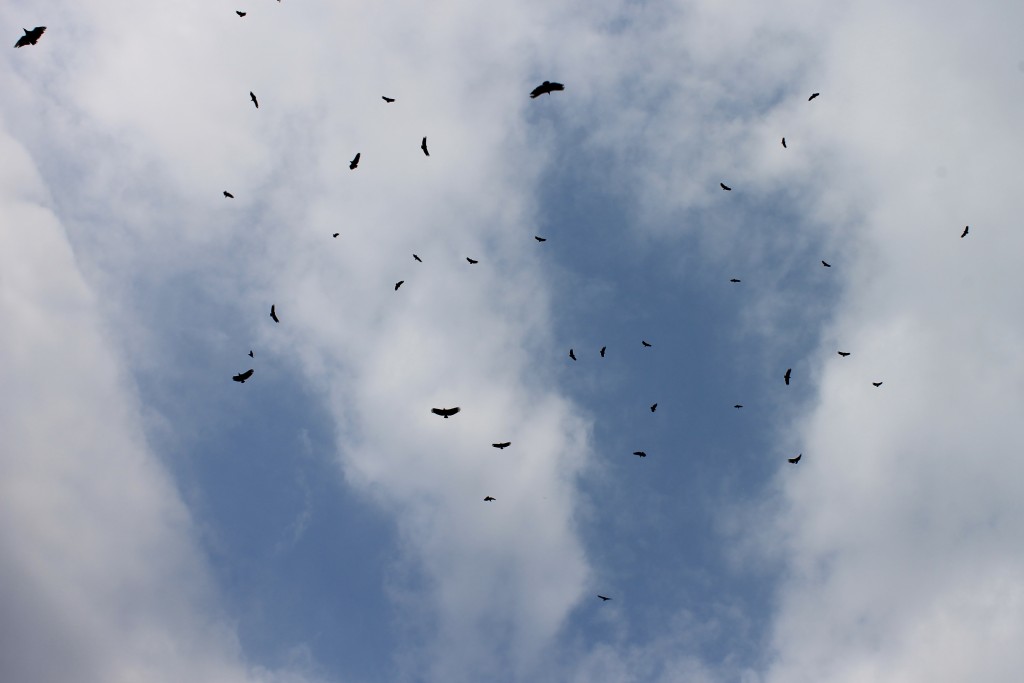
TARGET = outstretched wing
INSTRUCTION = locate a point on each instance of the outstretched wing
(444, 412)
(242, 376)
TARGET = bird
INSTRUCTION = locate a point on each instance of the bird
(250, 354)
(725, 187)
(253, 98)
(423, 146)
(546, 87)
(239, 13)
(844, 354)
(784, 143)
(389, 100)
(646, 344)
(502, 446)
(603, 598)
(489, 498)
(789, 372)
(572, 355)
(603, 349)
(813, 95)
(654, 406)
(471, 261)
(964, 233)
(273, 313)
(398, 284)
(738, 405)
(640, 453)
(30, 37)
(228, 195)
(335, 235)
(876, 384)
(735, 280)
(355, 161)
(242, 376)
(795, 460)
(417, 258)
(826, 264)
(540, 239)
(445, 412)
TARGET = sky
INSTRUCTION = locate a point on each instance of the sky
(318, 524)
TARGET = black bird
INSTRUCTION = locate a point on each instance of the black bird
(645, 343)
(784, 143)
(472, 260)
(489, 498)
(445, 412)
(241, 14)
(335, 235)
(30, 37)
(789, 372)
(502, 446)
(389, 100)
(242, 376)
(603, 349)
(273, 313)
(253, 98)
(876, 384)
(417, 258)
(540, 239)
(826, 264)
(738, 405)
(964, 233)
(355, 161)
(640, 453)
(793, 461)
(546, 87)
(423, 146)
(603, 598)
(654, 406)
(734, 280)
(250, 354)
(398, 284)
(572, 355)
(725, 187)
(813, 95)
(844, 354)
(228, 195)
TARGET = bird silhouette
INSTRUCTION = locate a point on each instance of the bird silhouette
(355, 161)
(273, 313)
(795, 460)
(572, 355)
(242, 376)
(31, 37)
(826, 264)
(445, 412)
(725, 187)
(813, 95)
(603, 349)
(789, 372)
(735, 280)
(398, 284)
(254, 100)
(250, 354)
(417, 258)
(228, 195)
(783, 143)
(540, 239)
(640, 453)
(844, 354)
(423, 146)
(603, 598)
(964, 233)
(335, 235)
(646, 344)
(502, 446)
(654, 406)
(489, 498)
(546, 87)
(389, 100)
(239, 13)
(472, 261)
(738, 405)
(876, 384)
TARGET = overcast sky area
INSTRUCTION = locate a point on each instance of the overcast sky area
(318, 524)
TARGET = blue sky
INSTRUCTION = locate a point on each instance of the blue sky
(159, 522)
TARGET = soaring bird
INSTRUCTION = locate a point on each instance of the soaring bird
(253, 98)
(546, 87)
(603, 349)
(471, 260)
(876, 384)
(844, 354)
(603, 598)
(645, 343)
(423, 146)
(417, 258)
(250, 354)
(540, 239)
(445, 412)
(273, 313)
(489, 498)
(572, 355)
(355, 161)
(826, 264)
(502, 446)
(654, 406)
(640, 453)
(389, 100)
(789, 372)
(398, 284)
(335, 235)
(964, 233)
(239, 13)
(242, 376)
(783, 143)
(793, 461)
(725, 187)
(228, 195)
(738, 405)
(735, 280)
(813, 95)
(30, 37)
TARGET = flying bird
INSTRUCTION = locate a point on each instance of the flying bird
(30, 37)
(784, 143)
(725, 187)
(273, 313)
(417, 258)
(242, 376)
(540, 239)
(398, 284)
(603, 349)
(240, 13)
(789, 372)
(335, 235)
(645, 343)
(603, 598)
(876, 384)
(826, 264)
(793, 461)
(250, 354)
(355, 161)
(389, 100)
(738, 405)
(640, 453)
(844, 354)
(502, 446)
(735, 280)
(572, 355)
(445, 412)
(489, 498)
(253, 98)
(546, 87)
(654, 406)
(228, 195)
(813, 95)
(472, 261)
(964, 233)
(423, 146)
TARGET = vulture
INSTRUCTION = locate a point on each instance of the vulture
(826, 264)
(242, 376)
(502, 446)
(417, 258)
(423, 146)
(783, 143)
(471, 261)
(398, 284)
(738, 405)
(640, 454)
(603, 598)
(228, 195)
(789, 372)
(546, 87)
(964, 233)
(572, 355)
(735, 280)
(725, 187)
(844, 354)
(389, 100)
(647, 344)
(445, 412)
(273, 314)
(355, 161)
(240, 13)
(250, 354)
(540, 239)
(603, 349)
(30, 37)
(253, 98)
(793, 461)
(489, 498)
(654, 406)
(813, 95)
(876, 384)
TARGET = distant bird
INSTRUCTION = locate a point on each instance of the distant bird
(784, 143)
(725, 187)
(738, 405)
(789, 372)
(813, 95)
(640, 453)
(273, 313)
(489, 498)
(335, 235)
(389, 100)
(250, 354)
(603, 598)
(654, 406)
(540, 239)
(795, 460)
(253, 98)
(241, 14)
(876, 384)
(355, 161)
(30, 37)
(826, 264)
(603, 349)
(844, 354)
(502, 446)
(546, 87)
(242, 376)
(445, 412)
(398, 284)
(735, 280)
(645, 343)
(417, 258)
(472, 261)
(964, 233)
(423, 146)
(228, 195)
(572, 355)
